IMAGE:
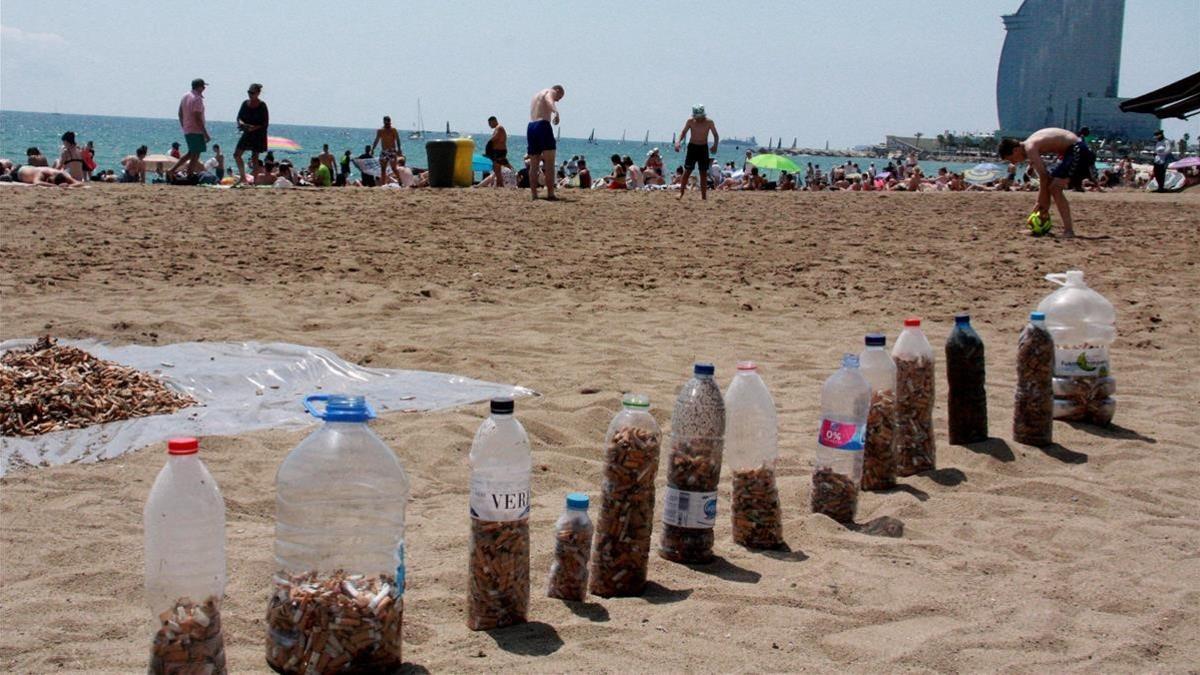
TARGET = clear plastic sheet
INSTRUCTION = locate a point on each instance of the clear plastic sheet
(240, 387)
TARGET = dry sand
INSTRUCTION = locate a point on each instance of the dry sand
(1080, 556)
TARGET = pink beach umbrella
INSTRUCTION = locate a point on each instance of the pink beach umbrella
(281, 143)
(1184, 163)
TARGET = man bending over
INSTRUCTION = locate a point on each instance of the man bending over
(1075, 160)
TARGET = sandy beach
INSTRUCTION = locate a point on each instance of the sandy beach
(1080, 556)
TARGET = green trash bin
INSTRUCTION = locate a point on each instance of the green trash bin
(441, 162)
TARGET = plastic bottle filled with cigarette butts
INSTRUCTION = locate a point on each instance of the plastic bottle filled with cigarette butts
(1033, 401)
(694, 469)
(966, 396)
(184, 522)
(879, 454)
(337, 601)
(572, 548)
(837, 467)
(626, 522)
(916, 449)
(1083, 325)
(751, 450)
(498, 570)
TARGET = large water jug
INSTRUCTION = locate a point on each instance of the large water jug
(693, 469)
(1083, 325)
(184, 523)
(751, 450)
(837, 467)
(879, 452)
(338, 590)
(498, 574)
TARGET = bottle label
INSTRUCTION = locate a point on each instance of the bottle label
(499, 500)
(841, 436)
(696, 510)
(1081, 362)
(399, 592)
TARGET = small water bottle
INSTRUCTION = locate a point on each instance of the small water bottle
(837, 469)
(693, 469)
(879, 453)
(965, 393)
(751, 450)
(916, 449)
(498, 574)
(1083, 325)
(1033, 401)
(337, 601)
(184, 523)
(572, 548)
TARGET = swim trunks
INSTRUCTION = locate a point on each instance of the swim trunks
(541, 137)
(386, 156)
(697, 153)
(195, 143)
(498, 156)
(1075, 163)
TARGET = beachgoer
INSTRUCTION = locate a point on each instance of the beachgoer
(89, 160)
(497, 149)
(191, 119)
(616, 179)
(633, 172)
(1162, 157)
(388, 140)
(1076, 158)
(344, 170)
(573, 166)
(319, 173)
(404, 175)
(654, 162)
(135, 167)
(216, 163)
(715, 175)
(584, 175)
(174, 151)
(285, 174)
(34, 157)
(543, 111)
(42, 176)
(328, 160)
(367, 179)
(70, 158)
(699, 126)
(253, 119)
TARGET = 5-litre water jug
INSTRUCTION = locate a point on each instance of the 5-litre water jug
(1083, 325)
(337, 601)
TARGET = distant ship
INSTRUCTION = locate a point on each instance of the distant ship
(752, 142)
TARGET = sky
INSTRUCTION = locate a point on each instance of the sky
(846, 73)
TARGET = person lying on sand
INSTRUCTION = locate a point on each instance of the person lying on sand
(42, 176)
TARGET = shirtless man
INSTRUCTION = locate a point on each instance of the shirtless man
(42, 176)
(497, 149)
(328, 160)
(388, 140)
(135, 167)
(1075, 159)
(542, 111)
(697, 148)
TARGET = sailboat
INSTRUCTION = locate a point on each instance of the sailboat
(420, 132)
(622, 137)
(646, 140)
(449, 134)
(779, 146)
(793, 142)
(559, 136)
(592, 138)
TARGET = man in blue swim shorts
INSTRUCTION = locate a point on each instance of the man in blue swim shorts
(1075, 160)
(540, 135)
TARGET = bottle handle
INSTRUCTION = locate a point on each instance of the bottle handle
(312, 410)
(1059, 278)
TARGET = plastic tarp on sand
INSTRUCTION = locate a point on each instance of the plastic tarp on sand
(240, 387)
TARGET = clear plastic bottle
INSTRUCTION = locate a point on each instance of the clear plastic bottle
(694, 469)
(626, 521)
(1033, 401)
(966, 395)
(498, 574)
(338, 591)
(916, 449)
(1083, 325)
(184, 522)
(572, 548)
(879, 453)
(837, 469)
(751, 450)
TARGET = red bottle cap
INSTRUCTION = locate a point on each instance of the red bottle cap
(183, 446)
(747, 365)
(912, 322)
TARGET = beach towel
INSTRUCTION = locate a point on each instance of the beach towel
(368, 165)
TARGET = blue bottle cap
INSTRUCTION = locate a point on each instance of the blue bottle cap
(1037, 316)
(577, 501)
(963, 319)
(704, 369)
(850, 360)
(502, 406)
(875, 340)
(340, 408)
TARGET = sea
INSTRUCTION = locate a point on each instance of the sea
(117, 137)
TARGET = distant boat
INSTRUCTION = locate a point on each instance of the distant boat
(646, 140)
(622, 136)
(672, 139)
(779, 146)
(592, 138)
(793, 142)
(742, 141)
(768, 142)
(449, 134)
(420, 132)
(559, 136)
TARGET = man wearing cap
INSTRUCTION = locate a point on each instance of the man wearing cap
(697, 148)
(1162, 157)
(252, 120)
(191, 118)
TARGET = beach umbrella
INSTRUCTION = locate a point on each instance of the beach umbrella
(159, 163)
(982, 173)
(1185, 163)
(284, 144)
(481, 163)
(772, 161)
